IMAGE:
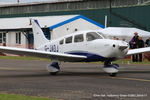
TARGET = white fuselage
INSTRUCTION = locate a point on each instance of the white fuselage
(98, 49)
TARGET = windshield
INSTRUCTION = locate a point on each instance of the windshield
(104, 36)
(92, 36)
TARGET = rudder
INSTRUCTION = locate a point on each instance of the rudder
(39, 38)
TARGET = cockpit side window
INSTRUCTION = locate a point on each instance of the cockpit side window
(69, 40)
(61, 42)
(92, 36)
(78, 38)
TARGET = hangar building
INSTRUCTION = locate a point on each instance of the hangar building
(18, 31)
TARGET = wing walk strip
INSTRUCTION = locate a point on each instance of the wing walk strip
(131, 79)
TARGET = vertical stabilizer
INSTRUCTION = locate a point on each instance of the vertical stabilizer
(39, 38)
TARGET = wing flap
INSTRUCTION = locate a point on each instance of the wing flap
(43, 54)
(140, 50)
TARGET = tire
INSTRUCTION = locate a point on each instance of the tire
(53, 73)
(113, 74)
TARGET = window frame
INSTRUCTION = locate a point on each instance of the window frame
(68, 38)
(18, 38)
(78, 35)
(61, 42)
(3, 37)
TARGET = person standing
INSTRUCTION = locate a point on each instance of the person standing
(140, 45)
(147, 43)
(134, 42)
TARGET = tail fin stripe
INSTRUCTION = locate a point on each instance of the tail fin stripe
(36, 21)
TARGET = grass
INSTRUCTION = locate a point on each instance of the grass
(121, 61)
(23, 58)
(128, 61)
(20, 97)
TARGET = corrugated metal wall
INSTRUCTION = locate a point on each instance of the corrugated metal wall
(63, 6)
(140, 15)
(135, 10)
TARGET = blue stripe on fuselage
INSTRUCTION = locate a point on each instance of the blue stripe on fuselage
(90, 57)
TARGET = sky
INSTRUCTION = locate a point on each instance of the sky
(21, 1)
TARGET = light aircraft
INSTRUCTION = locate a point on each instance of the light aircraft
(81, 46)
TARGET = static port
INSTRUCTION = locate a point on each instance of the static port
(114, 45)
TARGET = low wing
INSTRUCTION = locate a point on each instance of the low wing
(140, 50)
(43, 54)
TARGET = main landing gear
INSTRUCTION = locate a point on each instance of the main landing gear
(53, 68)
(111, 69)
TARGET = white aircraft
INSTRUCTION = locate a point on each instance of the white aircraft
(82, 46)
